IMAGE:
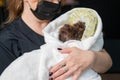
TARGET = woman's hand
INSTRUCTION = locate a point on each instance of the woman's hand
(73, 65)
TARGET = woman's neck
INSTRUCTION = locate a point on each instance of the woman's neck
(35, 24)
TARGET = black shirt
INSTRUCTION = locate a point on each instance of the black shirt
(17, 38)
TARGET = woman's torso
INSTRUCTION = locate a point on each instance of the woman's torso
(17, 38)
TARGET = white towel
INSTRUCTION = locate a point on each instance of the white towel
(35, 65)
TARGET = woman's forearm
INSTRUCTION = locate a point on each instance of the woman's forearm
(103, 62)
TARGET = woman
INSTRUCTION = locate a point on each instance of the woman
(23, 33)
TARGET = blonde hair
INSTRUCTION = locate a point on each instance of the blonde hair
(14, 8)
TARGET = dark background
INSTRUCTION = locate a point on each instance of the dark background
(109, 12)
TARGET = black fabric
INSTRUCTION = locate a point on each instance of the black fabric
(15, 39)
(112, 46)
(2, 14)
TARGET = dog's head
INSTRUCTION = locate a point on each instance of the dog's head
(71, 32)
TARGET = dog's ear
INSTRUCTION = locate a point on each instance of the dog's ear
(79, 28)
(71, 32)
(65, 33)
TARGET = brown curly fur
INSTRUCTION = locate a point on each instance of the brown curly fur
(72, 32)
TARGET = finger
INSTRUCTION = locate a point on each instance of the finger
(57, 67)
(60, 72)
(77, 74)
(68, 73)
(66, 50)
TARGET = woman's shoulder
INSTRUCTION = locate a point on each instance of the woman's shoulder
(6, 32)
(9, 30)
(7, 35)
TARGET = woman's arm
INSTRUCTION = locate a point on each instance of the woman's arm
(78, 61)
(103, 61)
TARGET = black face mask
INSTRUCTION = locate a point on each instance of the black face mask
(46, 10)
